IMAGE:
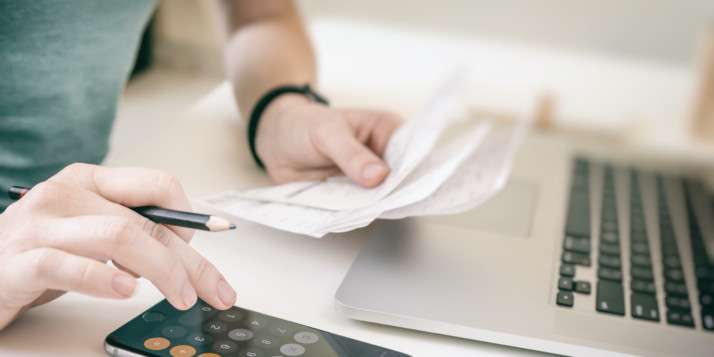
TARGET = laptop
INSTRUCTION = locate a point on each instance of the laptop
(587, 250)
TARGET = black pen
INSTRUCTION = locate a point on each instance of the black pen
(161, 215)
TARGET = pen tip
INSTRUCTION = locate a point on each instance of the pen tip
(232, 226)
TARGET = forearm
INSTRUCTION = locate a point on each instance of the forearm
(266, 46)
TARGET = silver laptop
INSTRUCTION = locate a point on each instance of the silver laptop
(586, 251)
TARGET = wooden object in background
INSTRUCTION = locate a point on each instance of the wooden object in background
(704, 115)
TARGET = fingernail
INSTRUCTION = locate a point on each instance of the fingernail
(373, 171)
(226, 293)
(124, 285)
(189, 295)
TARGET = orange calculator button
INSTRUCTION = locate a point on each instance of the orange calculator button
(182, 351)
(209, 355)
(156, 343)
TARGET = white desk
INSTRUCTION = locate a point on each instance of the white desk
(295, 277)
(285, 275)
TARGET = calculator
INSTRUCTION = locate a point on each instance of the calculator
(204, 331)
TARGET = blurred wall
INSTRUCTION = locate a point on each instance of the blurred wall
(662, 29)
(188, 37)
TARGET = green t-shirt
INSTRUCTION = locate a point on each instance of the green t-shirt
(63, 65)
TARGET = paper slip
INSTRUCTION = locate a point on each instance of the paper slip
(406, 149)
(424, 180)
(484, 173)
(451, 176)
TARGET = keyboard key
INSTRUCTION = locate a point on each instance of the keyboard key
(708, 319)
(610, 249)
(576, 258)
(638, 236)
(674, 275)
(610, 261)
(609, 237)
(669, 249)
(672, 261)
(640, 248)
(642, 273)
(677, 289)
(643, 286)
(608, 226)
(707, 300)
(609, 274)
(582, 287)
(564, 298)
(578, 222)
(565, 284)
(567, 270)
(641, 260)
(579, 245)
(610, 297)
(678, 303)
(680, 317)
(644, 307)
(705, 286)
(704, 272)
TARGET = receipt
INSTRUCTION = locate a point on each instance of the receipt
(407, 147)
(426, 178)
(430, 175)
(482, 175)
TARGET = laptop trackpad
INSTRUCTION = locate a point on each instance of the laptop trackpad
(508, 212)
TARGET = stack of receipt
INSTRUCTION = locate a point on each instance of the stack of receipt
(429, 176)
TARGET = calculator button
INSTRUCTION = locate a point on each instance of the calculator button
(215, 327)
(256, 323)
(230, 316)
(292, 349)
(251, 352)
(280, 330)
(240, 334)
(192, 318)
(265, 341)
(182, 351)
(198, 339)
(209, 355)
(306, 337)
(156, 343)
(173, 331)
(153, 316)
(225, 346)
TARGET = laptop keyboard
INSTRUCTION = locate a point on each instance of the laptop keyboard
(607, 261)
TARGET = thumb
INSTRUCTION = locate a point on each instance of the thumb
(357, 161)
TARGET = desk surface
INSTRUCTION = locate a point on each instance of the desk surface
(285, 275)
(281, 274)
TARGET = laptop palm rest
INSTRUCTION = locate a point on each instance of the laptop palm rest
(422, 273)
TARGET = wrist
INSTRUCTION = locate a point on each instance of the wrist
(269, 125)
(279, 106)
(271, 107)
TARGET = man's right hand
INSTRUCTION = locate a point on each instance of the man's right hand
(61, 234)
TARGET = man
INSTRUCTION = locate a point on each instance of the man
(63, 65)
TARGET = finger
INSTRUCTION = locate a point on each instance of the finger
(116, 238)
(130, 187)
(126, 270)
(357, 161)
(206, 280)
(375, 128)
(210, 285)
(44, 268)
